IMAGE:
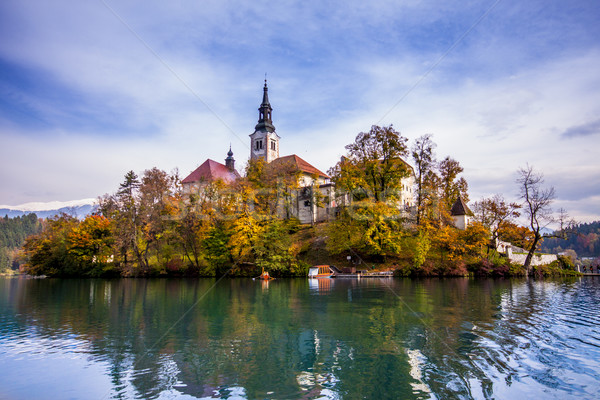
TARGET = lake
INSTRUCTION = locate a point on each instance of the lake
(295, 338)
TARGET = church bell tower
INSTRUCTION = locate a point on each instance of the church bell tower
(264, 142)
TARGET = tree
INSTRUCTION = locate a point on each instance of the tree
(536, 205)
(70, 247)
(451, 187)
(274, 186)
(13, 232)
(47, 253)
(519, 236)
(423, 155)
(155, 194)
(374, 166)
(90, 245)
(457, 244)
(125, 215)
(372, 174)
(493, 213)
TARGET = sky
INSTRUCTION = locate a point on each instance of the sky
(92, 89)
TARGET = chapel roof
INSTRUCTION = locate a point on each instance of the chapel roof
(460, 208)
(299, 163)
(211, 171)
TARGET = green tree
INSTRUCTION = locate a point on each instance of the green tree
(13, 232)
(422, 246)
(374, 165)
(126, 217)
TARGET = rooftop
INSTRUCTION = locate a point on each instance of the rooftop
(211, 171)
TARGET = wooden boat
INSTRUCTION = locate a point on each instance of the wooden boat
(320, 272)
(264, 276)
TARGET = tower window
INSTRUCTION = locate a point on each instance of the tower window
(258, 145)
(273, 145)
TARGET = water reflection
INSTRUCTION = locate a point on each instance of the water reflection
(322, 338)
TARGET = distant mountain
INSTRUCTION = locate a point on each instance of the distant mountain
(78, 208)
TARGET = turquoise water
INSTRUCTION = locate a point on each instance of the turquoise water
(289, 339)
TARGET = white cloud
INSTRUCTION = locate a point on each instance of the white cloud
(501, 98)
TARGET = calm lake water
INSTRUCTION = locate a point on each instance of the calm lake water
(290, 339)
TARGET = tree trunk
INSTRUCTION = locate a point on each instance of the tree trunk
(527, 263)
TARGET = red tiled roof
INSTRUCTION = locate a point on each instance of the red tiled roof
(302, 165)
(210, 171)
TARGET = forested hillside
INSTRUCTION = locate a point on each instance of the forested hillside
(583, 238)
(13, 232)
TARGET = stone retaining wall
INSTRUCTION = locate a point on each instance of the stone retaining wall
(538, 259)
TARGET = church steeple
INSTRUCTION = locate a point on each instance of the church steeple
(230, 161)
(265, 123)
(264, 142)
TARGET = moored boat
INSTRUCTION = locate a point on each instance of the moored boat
(321, 271)
(264, 276)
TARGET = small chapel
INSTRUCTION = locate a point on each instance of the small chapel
(264, 143)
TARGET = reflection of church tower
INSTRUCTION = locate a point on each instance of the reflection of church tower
(264, 142)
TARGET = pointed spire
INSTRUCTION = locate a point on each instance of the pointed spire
(265, 101)
(264, 112)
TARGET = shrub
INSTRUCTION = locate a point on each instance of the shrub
(566, 262)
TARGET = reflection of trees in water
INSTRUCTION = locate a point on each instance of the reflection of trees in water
(376, 338)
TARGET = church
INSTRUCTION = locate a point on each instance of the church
(264, 144)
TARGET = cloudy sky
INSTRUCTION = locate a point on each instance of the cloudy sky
(91, 89)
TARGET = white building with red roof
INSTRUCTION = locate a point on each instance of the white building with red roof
(211, 171)
(314, 201)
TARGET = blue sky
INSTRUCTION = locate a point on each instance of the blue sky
(92, 89)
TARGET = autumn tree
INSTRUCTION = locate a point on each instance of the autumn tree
(374, 166)
(70, 247)
(423, 155)
(203, 226)
(274, 186)
(372, 174)
(90, 244)
(140, 213)
(520, 236)
(494, 212)
(451, 186)
(47, 253)
(456, 244)
(156, 205)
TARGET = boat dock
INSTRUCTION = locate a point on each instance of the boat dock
(353, 273)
